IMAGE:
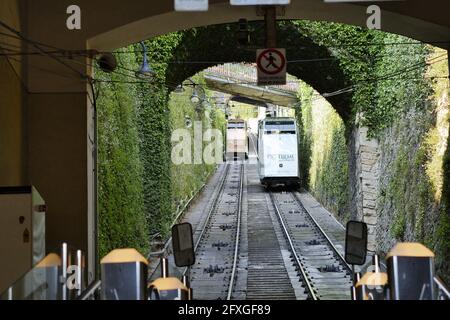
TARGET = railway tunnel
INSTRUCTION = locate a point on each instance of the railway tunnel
(49, 117)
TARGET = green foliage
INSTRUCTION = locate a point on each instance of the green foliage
(154, 133)
(324, 157)
(443, 244)
(304, 120)
(410, 194)
(416, 179)
(188, 178)
(140, 189)
(121, 200)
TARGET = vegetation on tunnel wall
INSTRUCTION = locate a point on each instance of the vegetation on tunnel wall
(122, 221)
(140, 190)
(187, 179)
(323, 152)
(412, 198)
(394, 93)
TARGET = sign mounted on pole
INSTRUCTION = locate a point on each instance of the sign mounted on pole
(259, 2)
(191, 5)
(271, 64)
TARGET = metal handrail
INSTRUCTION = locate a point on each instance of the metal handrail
(442, 288)
(90, 291)
(180, 213)
(177, 218)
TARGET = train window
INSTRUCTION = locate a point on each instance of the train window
(280, 127)
(236, 125)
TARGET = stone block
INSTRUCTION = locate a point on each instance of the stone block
(368, 188)
(370, 220)
(369, 204)
(370, 196)
(369, 212)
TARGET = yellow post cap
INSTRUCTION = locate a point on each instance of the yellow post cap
(164, 284)
(123, 256)
(373, 279)
(51, 260)
(410, 249)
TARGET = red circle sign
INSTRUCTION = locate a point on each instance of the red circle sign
(277, 63)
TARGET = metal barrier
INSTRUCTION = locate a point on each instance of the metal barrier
(443, 292)
(92, 292)
(56, 277)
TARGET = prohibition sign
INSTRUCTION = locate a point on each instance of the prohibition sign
(271, 57)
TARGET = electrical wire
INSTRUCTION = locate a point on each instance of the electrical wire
(78, 53)
(337, 92)
(37, 45)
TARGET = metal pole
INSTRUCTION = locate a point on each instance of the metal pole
(270, 17)
(164, 268)
(64, 271)
(79, 272)
(353, 288)
(186, 281)
(376, 263)
(356, 278)
(187, 284)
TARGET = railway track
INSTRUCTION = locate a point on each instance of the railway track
(322, 270)
(217, 247)
(267, 277)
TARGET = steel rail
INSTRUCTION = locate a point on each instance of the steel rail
(305, 278)
(211, 210)
(331, 244)
(238, 231)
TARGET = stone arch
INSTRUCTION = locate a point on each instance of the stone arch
(217, 43)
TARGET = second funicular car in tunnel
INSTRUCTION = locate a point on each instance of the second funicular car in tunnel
(237, 139)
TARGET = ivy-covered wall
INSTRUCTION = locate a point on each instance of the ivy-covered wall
(140, 189)
(189, 178)
(412, 205)
(323, 152)
(122, 219)
(400, 93)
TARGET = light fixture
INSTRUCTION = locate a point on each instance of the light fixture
(107, 62)
(195, 97)
(188, 122)
(145, 71)
(179, 89)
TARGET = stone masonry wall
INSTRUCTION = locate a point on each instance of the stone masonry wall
(364, 181)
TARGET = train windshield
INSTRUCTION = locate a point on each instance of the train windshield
(280, 127)
(236, 125)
